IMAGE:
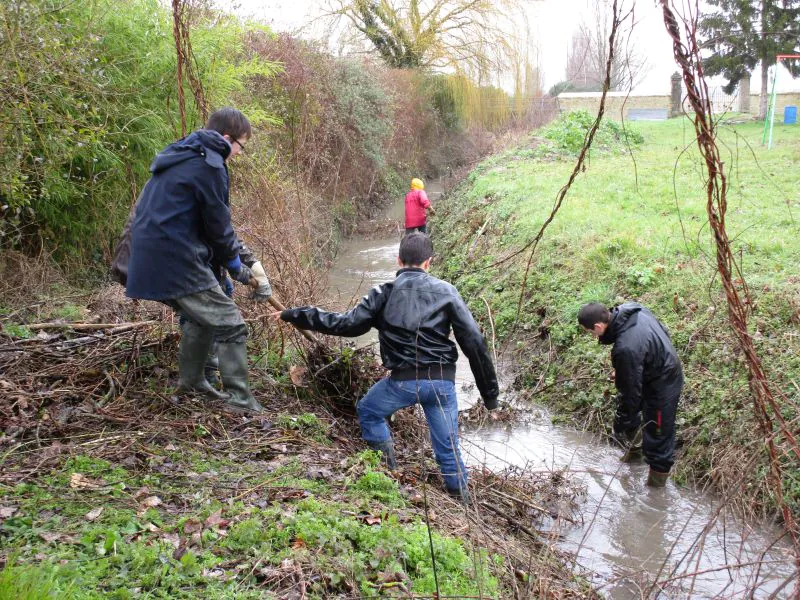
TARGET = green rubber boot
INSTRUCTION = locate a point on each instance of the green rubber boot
(195, 345)
(657, 479)
(233, 371)
(212, 367)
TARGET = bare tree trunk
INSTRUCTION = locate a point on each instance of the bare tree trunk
(762, 105)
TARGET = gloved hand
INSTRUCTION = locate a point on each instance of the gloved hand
(264, 289)
(625, 437)
(623, 428)
(227, 287)
(491, 403)
(238, 271)
(632, 443)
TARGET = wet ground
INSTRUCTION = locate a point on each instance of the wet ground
(629, 533)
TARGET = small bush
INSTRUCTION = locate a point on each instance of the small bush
(568, 133)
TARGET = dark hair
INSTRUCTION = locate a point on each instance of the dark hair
(415, 249)
(230, 121)
(593, 313)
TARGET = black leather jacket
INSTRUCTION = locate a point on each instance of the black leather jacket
(414, 315)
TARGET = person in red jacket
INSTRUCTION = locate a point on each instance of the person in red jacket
(417, 207)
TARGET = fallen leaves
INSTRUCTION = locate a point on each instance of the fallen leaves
(146, 503)
(298, 375)
(191, 526)
(215, 521)
(319, 473)
(82, 482)
(93, 514)
(7, 511)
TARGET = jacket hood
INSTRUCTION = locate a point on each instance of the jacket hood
(620, 321)
(203, 142)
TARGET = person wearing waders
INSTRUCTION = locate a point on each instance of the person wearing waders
(648, 377)
(414, 315)
(417, 207)
(180, 235)
(119, 272)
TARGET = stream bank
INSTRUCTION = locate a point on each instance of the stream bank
(627, 535)
(111, 486)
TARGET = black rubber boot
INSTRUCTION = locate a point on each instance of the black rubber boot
(195, 345)
(387, 448)
(657, 479)
(233, 370)
(461, 495)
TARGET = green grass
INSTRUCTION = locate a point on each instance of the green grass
(351, 533)
(635, 228)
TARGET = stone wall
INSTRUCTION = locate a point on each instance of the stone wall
(590, 101)
(782, 100)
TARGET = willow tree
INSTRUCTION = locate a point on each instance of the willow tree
(471, 36)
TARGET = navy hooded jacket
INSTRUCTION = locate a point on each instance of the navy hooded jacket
(183, 221)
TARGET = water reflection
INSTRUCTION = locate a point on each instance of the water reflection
(629, 529)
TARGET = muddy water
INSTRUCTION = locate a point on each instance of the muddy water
(628, 531)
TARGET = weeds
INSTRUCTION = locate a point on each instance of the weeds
(567, 133)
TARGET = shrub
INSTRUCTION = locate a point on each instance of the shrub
(569, 131)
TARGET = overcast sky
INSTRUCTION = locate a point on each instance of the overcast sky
(552, 22)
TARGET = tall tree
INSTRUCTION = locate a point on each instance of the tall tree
(589, 50)
(466, 35)
(744, 33)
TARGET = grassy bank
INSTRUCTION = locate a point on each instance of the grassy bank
(634, 227)
(110, 487)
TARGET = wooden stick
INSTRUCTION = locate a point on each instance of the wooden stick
(275, 303)
(478, 237)
(116, 327)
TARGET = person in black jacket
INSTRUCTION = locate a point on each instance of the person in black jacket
(181, 233)
(648, 376)
(414, 315)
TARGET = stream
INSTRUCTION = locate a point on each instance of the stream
(628, 531)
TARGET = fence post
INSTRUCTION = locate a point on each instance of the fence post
(676, 108)
(744, 94)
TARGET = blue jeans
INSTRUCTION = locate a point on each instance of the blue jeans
(438, 400)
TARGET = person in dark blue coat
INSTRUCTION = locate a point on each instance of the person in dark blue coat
(181, 230)
(648, 376)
